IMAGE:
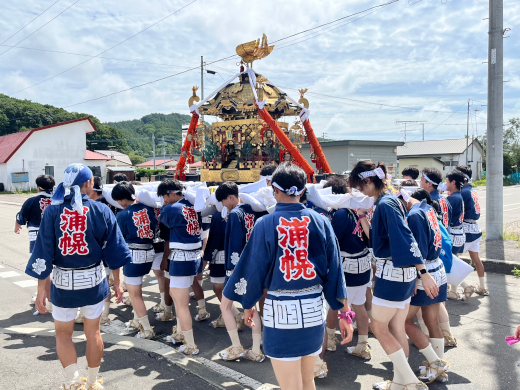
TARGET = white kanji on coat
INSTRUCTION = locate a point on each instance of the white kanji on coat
(39, 266)
(241, 287)
(415, 250)
(234, 258)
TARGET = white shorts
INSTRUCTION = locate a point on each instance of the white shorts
(392, 304)
(134, 280)
(67, 314)
(216, 280)
(205, 234)
(357, 295)
(108, 271)
(166, 274)
(293, 359)
(472, 246)
(157, 260)
(181, 281)
(370, 284)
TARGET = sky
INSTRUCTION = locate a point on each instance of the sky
(413, 60)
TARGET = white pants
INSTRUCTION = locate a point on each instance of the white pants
(134, 280)
(391, 304)
(473, 246)
(357, 295)
(181, 281)
(157, 260)
(216, 280)
(67, 314)
(293, 359)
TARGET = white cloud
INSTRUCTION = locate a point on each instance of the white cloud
(427, 56)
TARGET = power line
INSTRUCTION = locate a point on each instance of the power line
(463, 104)
(35, 31)
(485, 6)
(45, 10)
(110, 48)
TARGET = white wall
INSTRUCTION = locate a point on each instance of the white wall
(476, 165)
(102, 164)
(57, 146)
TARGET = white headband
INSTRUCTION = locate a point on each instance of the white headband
(442, 187)
(404, 194)
(466, 176)
(430, 180)
(293, 191)
(266, 178)
(376, 172)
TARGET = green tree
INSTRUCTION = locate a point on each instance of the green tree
(136, 159)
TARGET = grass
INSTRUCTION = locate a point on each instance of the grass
(20, 192)
(516, 272)
(480, 183)
(510, 236)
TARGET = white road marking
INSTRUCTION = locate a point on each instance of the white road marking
(26, 283)
(9, 274)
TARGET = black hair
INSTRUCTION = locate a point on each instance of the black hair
(136, 183)
(339, 185)
(123, 191)
(434, 175)
(303, 197)
(411, 171)
(355, 181)
(169, 185)
(288, 175)
(45, 182)
(458, 176)
(268, 170)
(466, 170)
(120, 177)
(409, 183)
(225, 189)
(98, 185)
(421, 194)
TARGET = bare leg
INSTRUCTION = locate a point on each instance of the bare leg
(431, 319)
(168, 301)
(307, 372)
(261, 303)
(197, 289)
(227, 314)
(475, 258)
(361, 319)
(218, 288)
(289, 374)
(419, 339)
(136, 297)
(181, 300)
(64, 345)
(397, 329)
(159, 275)
(94, 342)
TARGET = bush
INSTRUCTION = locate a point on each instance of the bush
(141, 172)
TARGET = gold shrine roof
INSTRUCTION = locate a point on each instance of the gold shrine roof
(236, 100)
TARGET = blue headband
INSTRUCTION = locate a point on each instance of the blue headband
(75, 174)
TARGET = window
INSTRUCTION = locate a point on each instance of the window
(49, 170)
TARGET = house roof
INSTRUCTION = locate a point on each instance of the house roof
(90, 155)
(10, 143)
(121, 169)
(196, 165)
(114, 155)
(434, 147)
(355, 142)
(157, 162)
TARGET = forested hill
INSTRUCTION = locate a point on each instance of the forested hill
(133, 137)
(138, 132)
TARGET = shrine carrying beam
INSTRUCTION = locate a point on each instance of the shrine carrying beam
(181, 164)
(321, 160)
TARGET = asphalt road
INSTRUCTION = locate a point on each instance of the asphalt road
(481, 361)
(511, 205)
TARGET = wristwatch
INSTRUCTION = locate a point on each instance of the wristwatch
(422, 272)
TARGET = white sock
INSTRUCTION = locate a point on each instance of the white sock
(424, 328)
(106, 308)
(135, 316)
(72, 373)
(362, 339)
(318, 362)
(401, 364)
(162, 300)
(331, 332)
(464, 284)
(235, 340)
(482, 282)
(257, 340)
(167, 309)
(201, 303)
(445, 327)
(234, 310)
(145, 322)
(398, 379)
(179, 329)
(188, 336)
(429, 353)
(438, 347)
(92, 376)
(453, 288)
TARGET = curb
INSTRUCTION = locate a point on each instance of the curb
(220, 377)
(493, 265)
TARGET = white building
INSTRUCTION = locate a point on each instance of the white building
(46, 150)
(449, 152)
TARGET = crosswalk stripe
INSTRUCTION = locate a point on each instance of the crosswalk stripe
(26, 283)
(9, 274)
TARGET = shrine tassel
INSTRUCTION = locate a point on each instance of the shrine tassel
(321, 161)
(286, 142)
(181, 164)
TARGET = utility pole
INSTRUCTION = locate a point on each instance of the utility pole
(153, 146)
(495, 121)
(202, 82)
(467, 135)
(405, 122)
(423, 131)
